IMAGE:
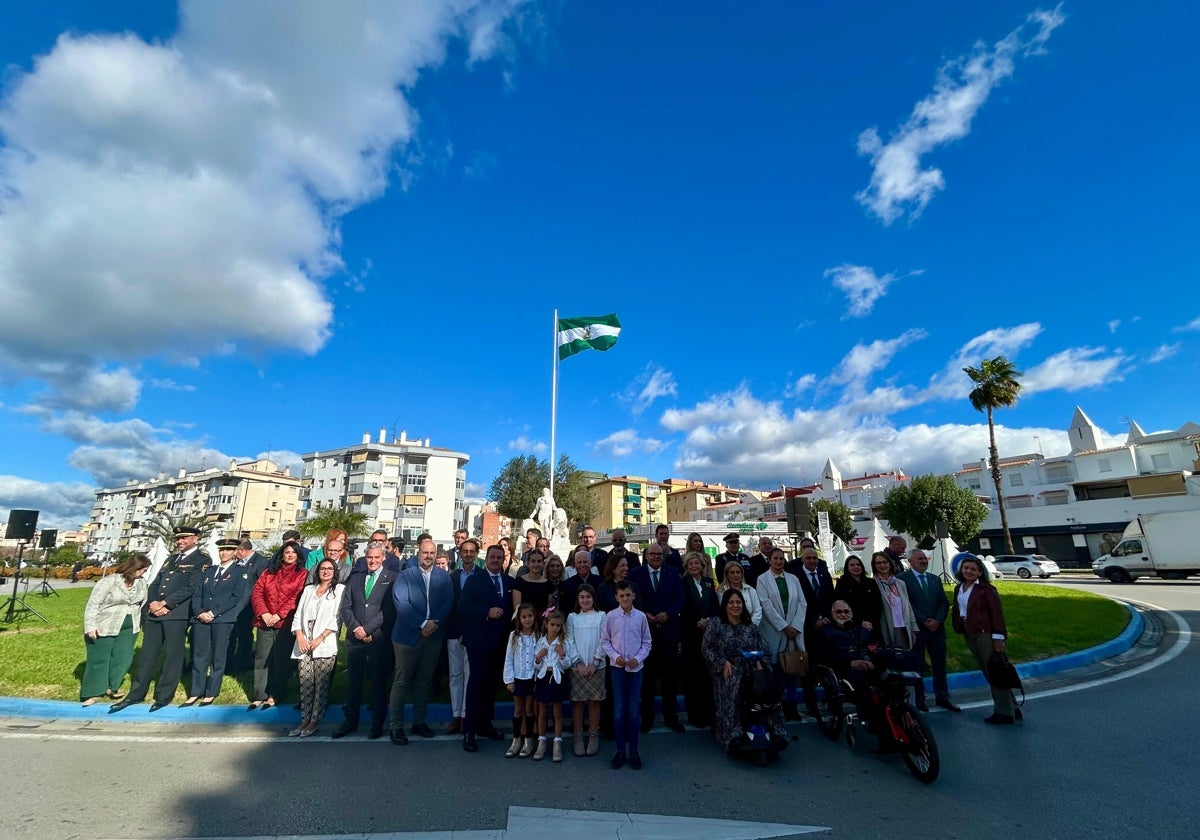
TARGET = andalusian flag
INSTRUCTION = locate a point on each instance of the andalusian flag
(598, 332)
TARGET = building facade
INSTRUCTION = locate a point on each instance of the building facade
(627, 501)
(255, 497)
(405, 486)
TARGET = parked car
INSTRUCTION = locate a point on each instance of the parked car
(1026, 566)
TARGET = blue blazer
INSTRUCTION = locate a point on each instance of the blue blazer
(668, 598)
(926, 604)
(408, 594)
(224, 594)
(478, 597)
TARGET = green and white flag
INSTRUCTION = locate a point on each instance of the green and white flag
(598, 332)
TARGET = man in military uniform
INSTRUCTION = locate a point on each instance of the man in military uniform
(223, 593)
(165, 624)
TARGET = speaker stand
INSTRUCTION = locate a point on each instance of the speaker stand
(15, 607)
(46, 590)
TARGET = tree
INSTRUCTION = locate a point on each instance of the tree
(916, 507)
(164, 525)
(67, 554)
(996, 386)
(516, 488)
(840, 520)
(323, 520)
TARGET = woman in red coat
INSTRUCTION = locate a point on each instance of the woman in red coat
(273, 601)
(979, 617)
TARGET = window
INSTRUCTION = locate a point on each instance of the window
(1161, 461)
(1020, 502)
(1104, 465)
(974, 484)
(1055, 497)
(1016, 480)
(1058, 474)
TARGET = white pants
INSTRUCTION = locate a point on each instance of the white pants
(456, 652)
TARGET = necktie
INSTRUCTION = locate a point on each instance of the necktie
(499, 588)
(813, 577)
(370, 583)
(654, 578)
(783, 593)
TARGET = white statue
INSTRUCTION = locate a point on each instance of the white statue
(543, 512)
(560, 530)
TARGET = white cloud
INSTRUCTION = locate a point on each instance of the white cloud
(291, 459)
(63, 505)
(805, 383)
(861, 286)
(526, 444)
(1113, 324)
(899, 184)
(863, 360)
(187, 195)
(170, 385)
(1074, 369)
(952, 384)
(1193, 324)
(1164, 352)
(625, 442)
(87, 387)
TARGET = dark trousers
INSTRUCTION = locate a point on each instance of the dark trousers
(935, 643)
(627, 690)
(662, 667)
(170, 638)
(485, 674)
(413, 678)
(697, 684)
(273, 665)
(374, 662)
(241, 644)
(210, 649)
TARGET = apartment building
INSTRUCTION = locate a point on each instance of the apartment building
(627, 501)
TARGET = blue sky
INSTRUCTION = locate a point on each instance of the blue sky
(228, 229)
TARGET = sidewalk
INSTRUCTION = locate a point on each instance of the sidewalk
(439, 712)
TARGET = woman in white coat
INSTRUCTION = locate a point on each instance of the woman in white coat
(315, 627)
(783, 609)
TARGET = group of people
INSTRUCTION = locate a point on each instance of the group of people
(610, 633)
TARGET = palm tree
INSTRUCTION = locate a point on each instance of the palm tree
(996, 386)
(326, 519)
(164, 525)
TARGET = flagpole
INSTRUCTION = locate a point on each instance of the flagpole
(553, 399)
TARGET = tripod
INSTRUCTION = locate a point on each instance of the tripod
(46, 590)
(15, 607)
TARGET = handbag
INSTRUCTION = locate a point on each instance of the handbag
(792, 660)
(1001, 673)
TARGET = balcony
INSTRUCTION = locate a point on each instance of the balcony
(366, 488)
(367, 468)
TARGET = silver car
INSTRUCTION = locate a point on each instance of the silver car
(1026, 566)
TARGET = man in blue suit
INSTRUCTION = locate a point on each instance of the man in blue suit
(369, 614)
(484, 607)
(423, 596)
(661, 587)
(930, 608)
(224, 590)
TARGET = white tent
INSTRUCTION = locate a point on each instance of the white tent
(939, 558)
(878, 540)
(158, 555)
(210, 547)
(837, 560)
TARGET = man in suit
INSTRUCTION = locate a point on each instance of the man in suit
(368, 612)
(783, 608)
(930, 608)
(391, 561)
(165, 624)
(223, 594)
(733, 554)
(569, 591)
(456, 650)
(817, 586)
(662, 601)
(424, 597)
(761, 561)
(587, 539)
(454, 555)
(241, 640)
(485, 607)
(618, 550)
(671, 557)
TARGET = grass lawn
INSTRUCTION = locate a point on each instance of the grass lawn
(45, 661)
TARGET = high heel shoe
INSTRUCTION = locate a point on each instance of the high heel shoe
(191, 701)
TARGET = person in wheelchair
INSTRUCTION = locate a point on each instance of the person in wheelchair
(844, 649)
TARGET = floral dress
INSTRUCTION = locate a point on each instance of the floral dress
(725, 643)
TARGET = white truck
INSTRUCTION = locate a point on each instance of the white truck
(1163, 544)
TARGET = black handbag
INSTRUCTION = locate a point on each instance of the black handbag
(1001, 673)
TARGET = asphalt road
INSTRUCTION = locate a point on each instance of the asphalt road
(1101, 753)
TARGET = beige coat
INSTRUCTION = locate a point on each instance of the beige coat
(111, 600)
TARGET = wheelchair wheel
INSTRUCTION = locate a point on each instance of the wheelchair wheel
(831, 715)
(920, 752)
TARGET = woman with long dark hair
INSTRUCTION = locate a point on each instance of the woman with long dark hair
(273, 600)
(315, 630)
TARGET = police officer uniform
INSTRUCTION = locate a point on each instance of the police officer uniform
(216, 604)
(733, 554)
(175, 584)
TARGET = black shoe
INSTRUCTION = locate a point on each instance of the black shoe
(635, 761)
(618, 761)
(1005, 720)
(344, 730)
(921, 707)
(675, 726)
(469, 743)
(155, 706)
(948, 706)
(191, 701)
(423, 730)
(492, 734)
(120, 706)
(398, 737)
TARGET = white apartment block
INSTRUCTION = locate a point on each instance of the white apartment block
(403, 486)
(255, 497)
(1073, 507)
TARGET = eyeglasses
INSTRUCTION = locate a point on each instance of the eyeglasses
(841, 612)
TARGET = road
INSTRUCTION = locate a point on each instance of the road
(1095, 757)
